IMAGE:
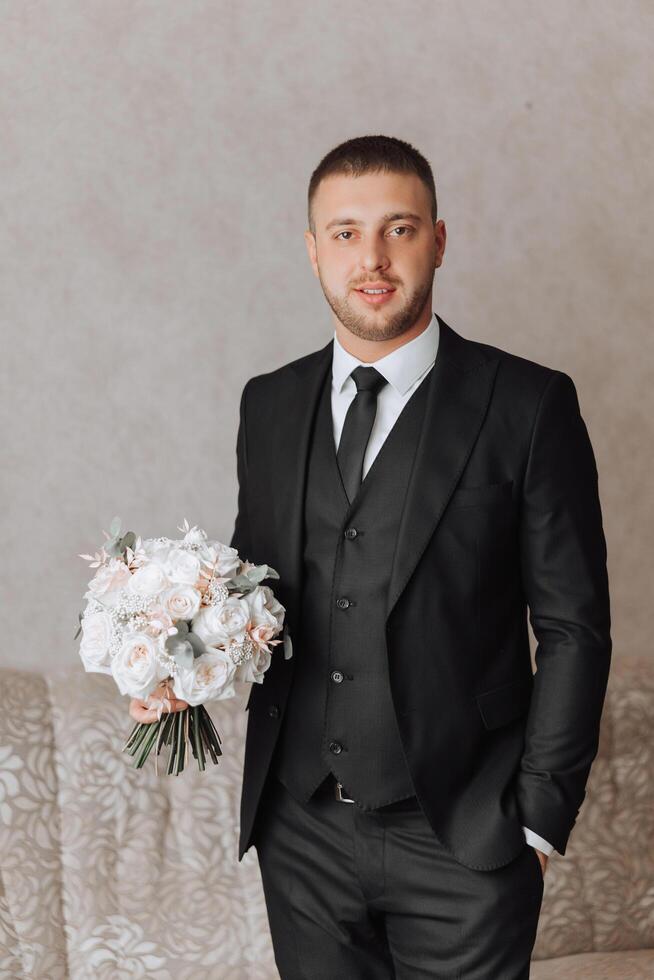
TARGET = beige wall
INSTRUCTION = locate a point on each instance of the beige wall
(154, 159)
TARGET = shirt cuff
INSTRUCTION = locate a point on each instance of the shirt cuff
(537, 841)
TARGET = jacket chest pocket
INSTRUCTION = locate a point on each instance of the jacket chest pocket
(486, 495)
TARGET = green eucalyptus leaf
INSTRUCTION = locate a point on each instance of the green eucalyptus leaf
(247, 581)
(261, 572)
(240, 583)
(181, 651)
(112, 548)
(128, 540)
(197, 643)
(79, 627)
(114, 527)
(180, 646)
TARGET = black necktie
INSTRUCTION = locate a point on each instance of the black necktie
(357, 427)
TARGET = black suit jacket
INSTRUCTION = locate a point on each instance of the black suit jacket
(501, 520)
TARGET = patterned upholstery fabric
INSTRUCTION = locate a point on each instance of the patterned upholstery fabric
(109, 873)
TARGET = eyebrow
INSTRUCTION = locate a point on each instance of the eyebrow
(394, 216)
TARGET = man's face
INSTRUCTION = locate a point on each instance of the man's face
(375, 229)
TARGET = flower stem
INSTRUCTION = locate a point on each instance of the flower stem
(186, 731)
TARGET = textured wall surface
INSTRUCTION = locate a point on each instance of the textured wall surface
(154, 160)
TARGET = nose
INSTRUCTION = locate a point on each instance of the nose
(374, 256)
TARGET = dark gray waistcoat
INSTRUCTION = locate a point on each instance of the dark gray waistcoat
(339, 715)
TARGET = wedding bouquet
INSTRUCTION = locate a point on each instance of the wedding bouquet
(189, 613)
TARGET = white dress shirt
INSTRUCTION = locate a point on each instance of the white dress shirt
(404, 368)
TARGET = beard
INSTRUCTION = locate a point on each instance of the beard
(379, 324)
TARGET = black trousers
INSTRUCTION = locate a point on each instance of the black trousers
(356, 895)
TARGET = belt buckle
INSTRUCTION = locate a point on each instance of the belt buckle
(338, 792)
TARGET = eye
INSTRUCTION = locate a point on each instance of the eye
(406, 228)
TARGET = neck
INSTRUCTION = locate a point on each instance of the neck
(372, 350)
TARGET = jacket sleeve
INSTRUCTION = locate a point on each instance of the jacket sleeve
(563, 565)
(241, 536)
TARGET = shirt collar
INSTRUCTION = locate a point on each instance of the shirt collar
(401, 367)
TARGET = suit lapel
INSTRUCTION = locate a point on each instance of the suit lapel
(460, 387)
(459, 393)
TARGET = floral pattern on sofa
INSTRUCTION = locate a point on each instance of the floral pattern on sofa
(116, 874)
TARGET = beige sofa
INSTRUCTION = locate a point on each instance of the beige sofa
(108, 872)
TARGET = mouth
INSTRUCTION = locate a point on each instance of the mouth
(376, 297)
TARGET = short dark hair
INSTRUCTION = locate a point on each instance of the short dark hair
(371, 154)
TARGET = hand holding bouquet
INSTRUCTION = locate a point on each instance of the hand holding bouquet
(182, 617)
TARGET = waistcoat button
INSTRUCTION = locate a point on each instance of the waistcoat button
(337, 676)
(342, 603)
(273, 710)
(351, 532)
(335, 747)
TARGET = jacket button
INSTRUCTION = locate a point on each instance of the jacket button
(342, 603)
(335, 747)
(351, 532)
(337, 676)
(273, 710)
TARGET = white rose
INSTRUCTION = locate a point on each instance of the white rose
(210, 678)
(149, 579)
(227, 559)
(217, 624)
(94, 645)
(136, 667)
(254, 668)
(109, 578)
(182, 566)
(157, 549)
(181, 601)
(260, 614)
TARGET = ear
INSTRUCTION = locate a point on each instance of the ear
(440, 242)
(310, 240)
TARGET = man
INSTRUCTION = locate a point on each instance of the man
(406, 775)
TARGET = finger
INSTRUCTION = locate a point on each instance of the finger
(141, 714)
(172, 705)
(162, 691)
(176, 704)
(144, 715)
(151, 715)
(144, 712)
